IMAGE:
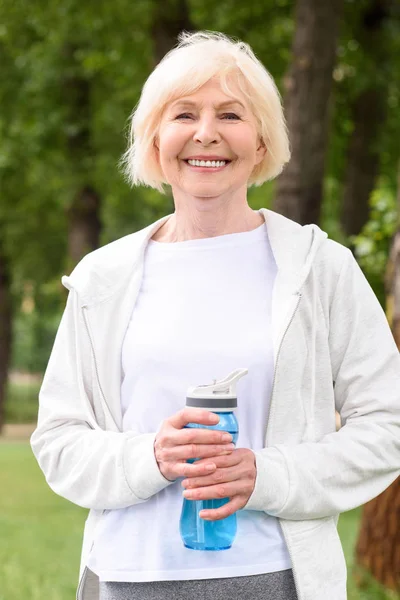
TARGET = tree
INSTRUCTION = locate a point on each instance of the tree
(169, 19)
(378, 546)
(84, 222)
(5, 325)
(66, 91)
(308, 86)
(368, 113)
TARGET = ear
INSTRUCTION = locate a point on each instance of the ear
(261, 151)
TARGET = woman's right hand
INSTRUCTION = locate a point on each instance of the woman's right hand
(174, 445)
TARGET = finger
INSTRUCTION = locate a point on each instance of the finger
(193, 415)
(192, 451)
(229, 459)
(197, 436)
(217, 491)
(224, 511)
(219, 476)
(185, 469)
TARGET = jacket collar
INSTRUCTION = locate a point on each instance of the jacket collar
(104, 271)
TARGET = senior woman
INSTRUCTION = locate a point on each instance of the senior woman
(213, 287)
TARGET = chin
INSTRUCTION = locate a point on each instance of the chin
(206, 191)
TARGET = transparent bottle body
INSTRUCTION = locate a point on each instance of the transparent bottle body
(196, 533)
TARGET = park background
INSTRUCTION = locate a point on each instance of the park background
(71, 74)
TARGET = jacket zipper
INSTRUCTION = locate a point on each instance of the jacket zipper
(266, 434)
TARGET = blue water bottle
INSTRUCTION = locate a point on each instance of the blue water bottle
(196, 533)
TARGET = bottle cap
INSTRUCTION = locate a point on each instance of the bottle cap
(216, 396)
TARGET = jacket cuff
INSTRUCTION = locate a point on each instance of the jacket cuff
(141, 469)
(272, 482)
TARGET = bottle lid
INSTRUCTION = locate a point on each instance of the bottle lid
(219, 395)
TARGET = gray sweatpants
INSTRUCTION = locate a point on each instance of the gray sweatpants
(268, 586)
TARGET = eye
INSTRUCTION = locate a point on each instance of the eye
(231, 116)
(184, 116)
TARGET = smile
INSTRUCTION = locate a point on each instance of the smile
(209, 165)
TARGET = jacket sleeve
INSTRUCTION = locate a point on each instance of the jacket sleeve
(83, 463)
(347, 468)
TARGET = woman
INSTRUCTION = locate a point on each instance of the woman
(213, 287)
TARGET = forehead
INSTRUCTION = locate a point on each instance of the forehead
(212, 93)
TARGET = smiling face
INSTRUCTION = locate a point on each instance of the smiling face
(217, 129)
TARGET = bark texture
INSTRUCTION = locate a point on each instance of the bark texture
(307, 93)
(362, 160)
(84, 224)
(378, 545)
(170, 18)
(5, 329)
(368, 115)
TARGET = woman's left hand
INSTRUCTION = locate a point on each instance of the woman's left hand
(234, 478)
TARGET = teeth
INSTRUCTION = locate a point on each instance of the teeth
(207, 163)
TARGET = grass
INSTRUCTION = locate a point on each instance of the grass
(40, 532)
(41, 535)
(348, 531)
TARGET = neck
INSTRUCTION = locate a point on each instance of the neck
(191, 222)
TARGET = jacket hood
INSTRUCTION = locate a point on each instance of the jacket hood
(102, 272)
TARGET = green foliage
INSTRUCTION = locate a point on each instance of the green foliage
(22, 403)
(33, 337)
(373, 243)
(108, 47)
(364, 61)
(267, 26)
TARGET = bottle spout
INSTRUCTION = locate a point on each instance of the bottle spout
(226, 386)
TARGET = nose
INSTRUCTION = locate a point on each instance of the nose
(207, 130)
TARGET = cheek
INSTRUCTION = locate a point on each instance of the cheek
(244, 145)
(171, 143)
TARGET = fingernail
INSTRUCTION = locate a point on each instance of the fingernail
(210, 467)
(227, 437)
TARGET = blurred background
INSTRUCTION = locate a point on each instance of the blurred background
(71, 74)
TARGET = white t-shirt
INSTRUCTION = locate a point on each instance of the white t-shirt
(203, 310)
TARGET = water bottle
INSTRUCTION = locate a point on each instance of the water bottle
(196, 533)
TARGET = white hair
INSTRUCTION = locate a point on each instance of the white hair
(195, 60)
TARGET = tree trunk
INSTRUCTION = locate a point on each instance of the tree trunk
(84, 224)
(308, 86)
(84, 212)
(368, 115)
(362, 160)
(378, 547)
(5, 329)
(170, 18)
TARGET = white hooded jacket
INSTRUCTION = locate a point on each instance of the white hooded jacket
(333, 349)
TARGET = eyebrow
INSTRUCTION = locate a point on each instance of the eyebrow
(221, 105)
